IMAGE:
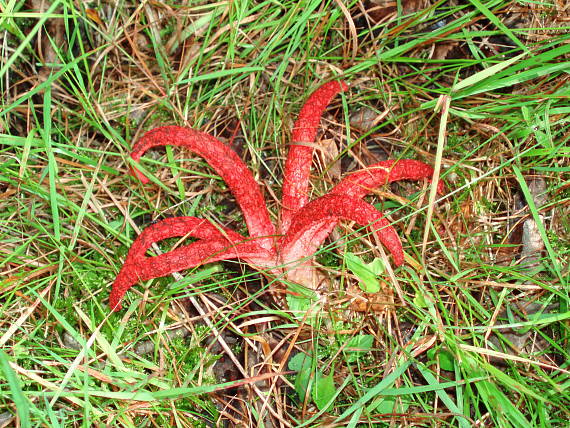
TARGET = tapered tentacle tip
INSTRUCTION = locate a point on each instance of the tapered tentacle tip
(125, 280)
(115, 300)
(117, 293)
(138, 174)
(115, 306)
(392, 242)
(398, 258)
(333, 87)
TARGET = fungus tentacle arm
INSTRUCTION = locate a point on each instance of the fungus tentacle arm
(300, 156)
(310, 226)
(364, 181)
(139, 267)
(173, 227)
(227, 165)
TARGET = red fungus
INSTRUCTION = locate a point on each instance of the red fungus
(365, 181)
(227, 165)
(362, 182)
(213, 244)
(306, 231)
(304, 226)
(300, 157)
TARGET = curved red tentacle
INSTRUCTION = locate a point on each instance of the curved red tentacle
(308, 226)
(178, 227)
(227, 165)
(300, 156)
(214, 245)
(364, 181)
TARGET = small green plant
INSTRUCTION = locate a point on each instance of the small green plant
(311, 382)
(367, 273)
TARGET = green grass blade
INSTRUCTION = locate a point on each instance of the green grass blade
(20, 400)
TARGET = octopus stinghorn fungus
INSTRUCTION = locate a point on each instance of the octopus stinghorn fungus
(284, 250)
